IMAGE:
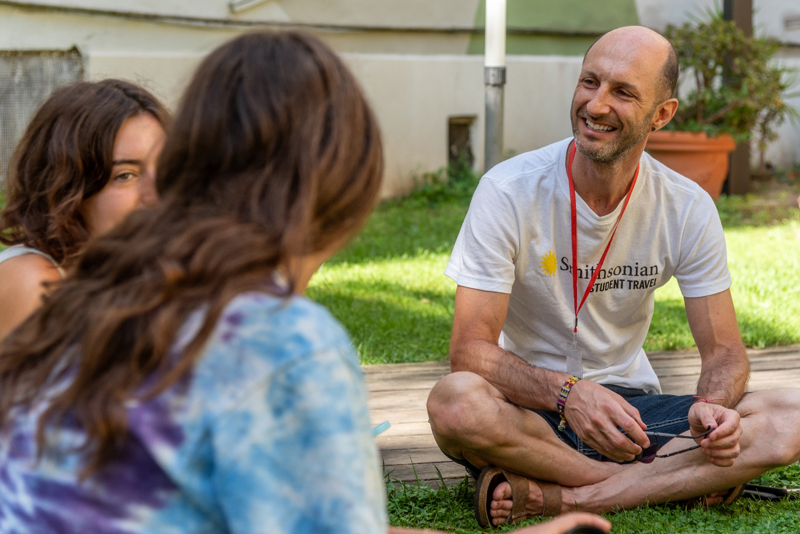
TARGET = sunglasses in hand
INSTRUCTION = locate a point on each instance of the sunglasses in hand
(651, 453)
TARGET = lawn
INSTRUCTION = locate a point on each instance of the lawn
(450, 509)
(388, 289)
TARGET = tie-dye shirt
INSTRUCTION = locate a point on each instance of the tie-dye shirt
(269, 433)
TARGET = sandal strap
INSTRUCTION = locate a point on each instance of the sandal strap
(551, 496)
(519, 495)
(733, 494)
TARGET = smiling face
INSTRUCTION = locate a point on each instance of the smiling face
(132, 181)
(617, 101)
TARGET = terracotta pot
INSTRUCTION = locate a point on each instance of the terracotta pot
(694, 155)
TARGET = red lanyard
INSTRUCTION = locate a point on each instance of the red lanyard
(574, 220)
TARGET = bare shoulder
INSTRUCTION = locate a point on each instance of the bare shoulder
(22, 284)
(27, 273)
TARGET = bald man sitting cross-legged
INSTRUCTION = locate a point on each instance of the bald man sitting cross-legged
(556, 266)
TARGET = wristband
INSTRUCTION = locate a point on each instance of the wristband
(701, 398)
(562, 400)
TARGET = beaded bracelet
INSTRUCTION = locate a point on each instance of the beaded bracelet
(562, 400)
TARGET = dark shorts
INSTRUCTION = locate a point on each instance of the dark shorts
(661, 413)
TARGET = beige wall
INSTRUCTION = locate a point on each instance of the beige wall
(427, 13)
(413, 97)
(414, 81)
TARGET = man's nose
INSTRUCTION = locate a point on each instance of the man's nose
(599, 104)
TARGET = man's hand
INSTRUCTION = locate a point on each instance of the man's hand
(722, 445)
(596, 414)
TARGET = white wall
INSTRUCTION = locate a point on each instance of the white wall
(413, 97)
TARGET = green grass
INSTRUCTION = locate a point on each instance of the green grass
(450, 509)
(388, 289)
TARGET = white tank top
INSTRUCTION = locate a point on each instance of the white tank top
(21, 250)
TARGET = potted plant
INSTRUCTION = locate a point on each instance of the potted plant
(734, 91)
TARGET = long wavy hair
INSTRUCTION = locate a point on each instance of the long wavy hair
(274, 154)
(64, 157)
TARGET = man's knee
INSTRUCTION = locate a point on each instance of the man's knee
(458, 405)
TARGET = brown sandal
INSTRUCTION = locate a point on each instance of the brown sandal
(731, 496)
(491, 477)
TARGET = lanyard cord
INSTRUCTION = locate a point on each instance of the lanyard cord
(574, 221)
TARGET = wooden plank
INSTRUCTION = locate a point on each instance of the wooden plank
(402, 400)
(413, 456)
(781, 361)
(409, 429)
(668, 354)
(405, 442)
(402, 368)
(409, 473)
(398, 416)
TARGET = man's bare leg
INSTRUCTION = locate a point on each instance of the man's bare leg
(770, 440)
(473, 420)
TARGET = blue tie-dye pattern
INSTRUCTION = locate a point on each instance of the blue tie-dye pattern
(270, 433)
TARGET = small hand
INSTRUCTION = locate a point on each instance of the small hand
(596, 414)
(565, 522)
(722, 445)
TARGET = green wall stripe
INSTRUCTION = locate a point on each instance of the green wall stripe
(568, 15)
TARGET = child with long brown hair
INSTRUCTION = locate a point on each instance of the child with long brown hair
(84, 162)
(177, 381)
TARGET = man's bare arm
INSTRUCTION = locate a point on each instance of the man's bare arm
(725, 369)
(723, 375)
(478, 321)
(594, 412)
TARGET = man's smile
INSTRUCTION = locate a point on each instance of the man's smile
(597, 127)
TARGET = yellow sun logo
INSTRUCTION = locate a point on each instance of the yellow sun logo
(548, 264)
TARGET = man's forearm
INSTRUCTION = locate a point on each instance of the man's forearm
(523, 384)
(724, 375)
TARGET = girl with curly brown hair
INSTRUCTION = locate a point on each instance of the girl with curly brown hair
(85, 161)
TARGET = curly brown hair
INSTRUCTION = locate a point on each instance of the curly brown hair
(274, 154)
(65, 157)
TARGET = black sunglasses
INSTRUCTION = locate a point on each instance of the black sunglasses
(651, 453)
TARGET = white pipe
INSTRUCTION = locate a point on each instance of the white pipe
(495, 33)
(237, 6)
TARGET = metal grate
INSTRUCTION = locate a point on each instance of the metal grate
(26, 80)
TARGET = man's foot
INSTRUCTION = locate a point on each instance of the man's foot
(502, 502)
(517, 502)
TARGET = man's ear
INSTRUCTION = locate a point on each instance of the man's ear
(666, 110)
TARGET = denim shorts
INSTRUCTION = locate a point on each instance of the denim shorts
(661, 413)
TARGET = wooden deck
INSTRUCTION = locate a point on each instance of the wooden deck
(398, 393)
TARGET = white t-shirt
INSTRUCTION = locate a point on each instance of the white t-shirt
(516, 239)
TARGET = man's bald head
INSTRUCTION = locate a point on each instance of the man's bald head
(633, 34)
